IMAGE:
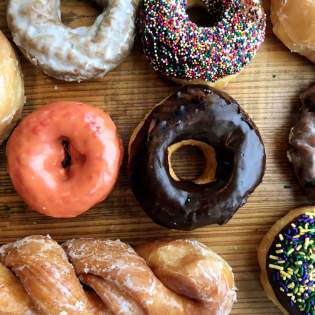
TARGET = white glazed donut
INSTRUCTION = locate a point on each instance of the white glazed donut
(71, 54)
(11, 88)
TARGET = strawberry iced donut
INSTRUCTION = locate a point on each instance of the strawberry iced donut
(64, 158)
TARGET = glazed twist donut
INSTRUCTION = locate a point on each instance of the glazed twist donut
(72, 54)
(172, 277)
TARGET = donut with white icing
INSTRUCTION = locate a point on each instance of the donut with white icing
(78, 54)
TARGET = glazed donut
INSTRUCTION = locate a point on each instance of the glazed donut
(64, 158)
(11, 88)
(302, 144)
(69, 54)
(119, 280)
(181, 50)
(234, 152)
(286, 258)
(11, 291)
(293, 24)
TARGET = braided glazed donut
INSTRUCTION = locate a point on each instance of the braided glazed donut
(181, 277)
(71, 54)
(181, 50)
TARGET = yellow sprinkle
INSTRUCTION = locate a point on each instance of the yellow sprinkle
(274, 257)
(279, 251)
(281, 289)
(281, 237)
(299, 247)
(293, 225)
(285, 274)
(278, 245)
(271, 266)
(306, 243)
(290, 251)
(291, 285)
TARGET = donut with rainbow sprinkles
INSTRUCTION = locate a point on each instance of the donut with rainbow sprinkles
(181, 50)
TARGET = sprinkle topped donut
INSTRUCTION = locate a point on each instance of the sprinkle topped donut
(179, 49)
(287, 259)
(291, 265)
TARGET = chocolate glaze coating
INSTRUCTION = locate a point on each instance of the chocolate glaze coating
(302, 144)
(204, 114)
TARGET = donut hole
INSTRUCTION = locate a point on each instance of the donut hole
(201, 158)
(205, 13)
(70, 156)
(66, 162)
(75, 13)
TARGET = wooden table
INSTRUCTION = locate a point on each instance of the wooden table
(268, 90)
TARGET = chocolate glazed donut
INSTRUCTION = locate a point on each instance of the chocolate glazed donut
(302, 144)
(234, 152)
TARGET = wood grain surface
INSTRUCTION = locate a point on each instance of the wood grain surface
(268, 90)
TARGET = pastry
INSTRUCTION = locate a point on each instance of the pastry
(69, 54)
(64, 158)
(286, 257)
(230, 142)
(181, 277)
(13, 297)
(181, 50)
(293, 24)
(43, 269)
(202, 284)
(11, 88)
(302, 144)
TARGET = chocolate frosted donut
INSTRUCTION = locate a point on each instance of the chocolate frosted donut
(287, 261)
(302, 144)
(234, 153)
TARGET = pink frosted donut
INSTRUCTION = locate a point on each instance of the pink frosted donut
(64, 158)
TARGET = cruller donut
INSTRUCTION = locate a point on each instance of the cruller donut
(234, 152)
(64, 158)
(72, 54)
(183, 51)
(287, 260)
